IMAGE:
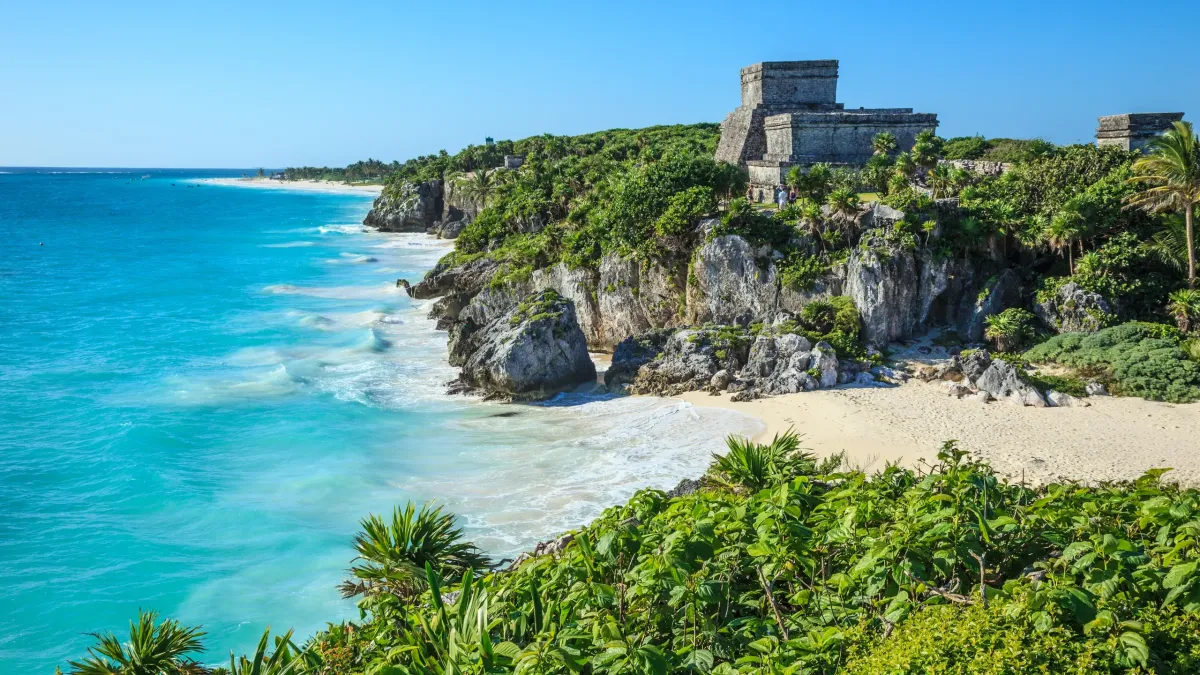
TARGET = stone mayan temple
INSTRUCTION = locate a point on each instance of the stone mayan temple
(1132, 131)
(790, 116)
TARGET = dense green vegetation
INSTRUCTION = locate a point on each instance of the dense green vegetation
(783, 564)
(372, 170)
(1137, 359)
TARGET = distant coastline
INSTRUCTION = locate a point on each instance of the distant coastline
(299, 185)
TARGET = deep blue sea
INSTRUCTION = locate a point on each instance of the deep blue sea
(204, 387)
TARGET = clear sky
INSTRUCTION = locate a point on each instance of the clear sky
(214, 84)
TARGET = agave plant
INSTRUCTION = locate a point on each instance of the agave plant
(1009, 330)
(393, 555)
(1185, 307)
(287, 659)
(755, 465)
(153, 649)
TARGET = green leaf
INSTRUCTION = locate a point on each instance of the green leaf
(1179, 575)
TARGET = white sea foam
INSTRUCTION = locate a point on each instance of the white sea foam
(340, 229)
(291, 244)
(352, 259)
(376, 292)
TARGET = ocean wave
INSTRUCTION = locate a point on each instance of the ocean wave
(376, 292)
(291, 244)
(341, 229)
(352, 259)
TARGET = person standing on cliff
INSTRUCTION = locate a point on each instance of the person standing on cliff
(782, 198)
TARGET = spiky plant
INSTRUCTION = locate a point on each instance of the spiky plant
(153, 649)
(1009, 330)
(392, 555)
(884, 143)
(753, 466)
(1170, 178)
(287, 659)
(1185, 307)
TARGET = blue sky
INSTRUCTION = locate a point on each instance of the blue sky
(211, 84)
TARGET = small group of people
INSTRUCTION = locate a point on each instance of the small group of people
(783, 196)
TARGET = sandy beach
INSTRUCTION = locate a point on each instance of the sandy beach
(300, 185)
(1115, 438)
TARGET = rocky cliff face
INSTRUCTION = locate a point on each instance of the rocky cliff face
(415, 208)
(530, 352)
(433, 207)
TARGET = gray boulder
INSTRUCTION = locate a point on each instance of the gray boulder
(780, 364)
(1071, 309)
(412, 207)
(999, 293)
(631, 354)
(1057, 399)
(530, 352)
(823, 359)
(1094, 388)
(688, 361)
(882, 280)
(972, 365)
(1002, 380)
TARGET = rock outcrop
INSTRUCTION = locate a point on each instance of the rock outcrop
(883, 281)
(998, 294)
(733, 283)
(631, 354)
(688, 361)
(530, 352)
(413, 208)
(1072, 309)
(978, 373)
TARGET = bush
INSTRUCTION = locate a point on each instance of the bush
(1010, 330)
(1141, 359)
(800, 271)
(684, 209)
(966, 147)
(980, 640)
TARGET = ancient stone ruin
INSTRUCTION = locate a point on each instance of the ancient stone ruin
(1132, 131)
(790, 116)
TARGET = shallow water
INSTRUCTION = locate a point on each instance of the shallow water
(204, 388)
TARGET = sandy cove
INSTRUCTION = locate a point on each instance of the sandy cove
(298, 185)
(1115, 438)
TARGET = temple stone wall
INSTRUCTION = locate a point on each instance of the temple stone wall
(1133, 131)
(790, 116)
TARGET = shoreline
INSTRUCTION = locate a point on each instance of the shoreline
(326, 186)
(1116, 438)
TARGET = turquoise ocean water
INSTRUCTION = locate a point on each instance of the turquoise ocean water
(202, 389)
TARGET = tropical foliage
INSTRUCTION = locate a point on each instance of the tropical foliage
(783, 564)
(1170, 174)
(1137, 359)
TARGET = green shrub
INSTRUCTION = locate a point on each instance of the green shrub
(1011, 329)
(684, 209)
(1141, 359)
(965, 147)
(800, 271)
(978, 640)
(1068, 385)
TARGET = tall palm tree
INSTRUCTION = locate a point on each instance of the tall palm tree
(478, 185)
(1060, 233)
(941, 181)
(393, 555)
(843, 203)
(1170, 174)
(153, 649)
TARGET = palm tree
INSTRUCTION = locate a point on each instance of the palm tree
(1060, 234)
(941, 181)
(478, 185)
(1169, 244)
(1185, 306)
(905, 166)
(394, 554)
(1171, 174)
(844, 205)
(884, 143)
(927, 149)
(152, 650)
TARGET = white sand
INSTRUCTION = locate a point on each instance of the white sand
(300, 185)
(1115, 438)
